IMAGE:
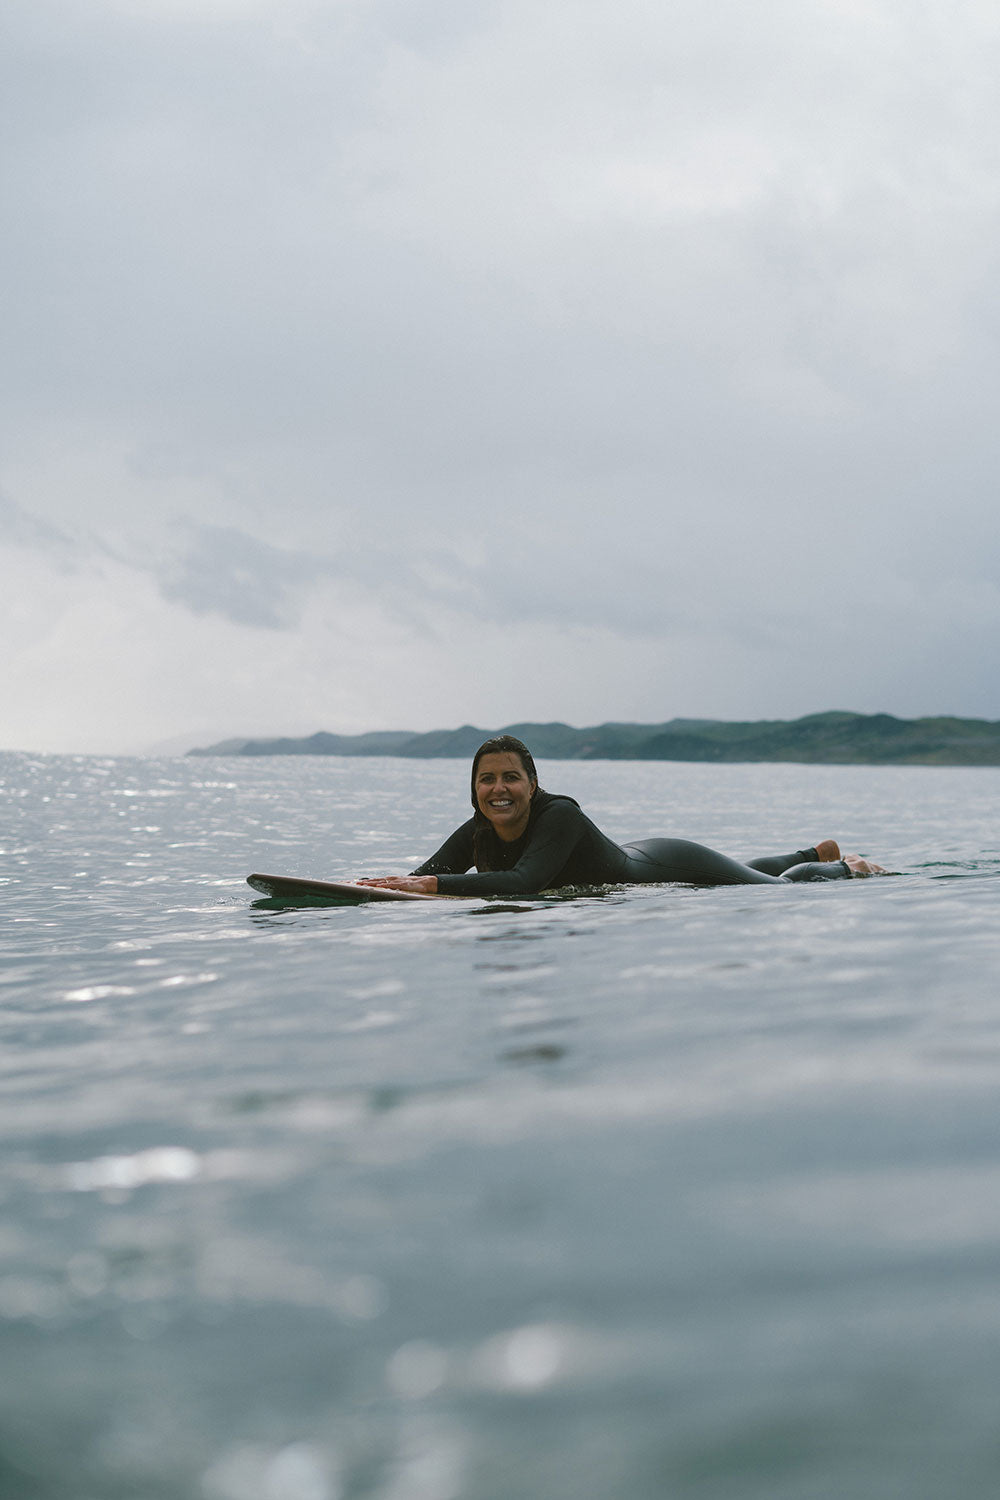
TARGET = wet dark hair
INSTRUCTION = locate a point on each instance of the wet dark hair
(484, 837)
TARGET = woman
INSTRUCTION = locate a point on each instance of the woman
(523, 840)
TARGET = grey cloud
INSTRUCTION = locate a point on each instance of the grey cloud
(19, 528)
(226, 572)
(657, 322)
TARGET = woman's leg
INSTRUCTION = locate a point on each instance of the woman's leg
(831, 869)
(820, 863)
(651, 860)
(777, 864)
(827, 851)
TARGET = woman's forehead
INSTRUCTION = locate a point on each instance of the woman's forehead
(498, 761)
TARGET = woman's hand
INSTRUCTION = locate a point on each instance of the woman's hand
(422, 885)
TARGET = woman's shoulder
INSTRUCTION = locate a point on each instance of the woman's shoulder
(555, 805)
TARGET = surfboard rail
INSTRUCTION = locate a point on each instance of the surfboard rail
(335, 892)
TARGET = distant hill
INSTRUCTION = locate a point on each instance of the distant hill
(821, 739)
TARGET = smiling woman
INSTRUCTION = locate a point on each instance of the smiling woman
(504, 785)
(522, 840)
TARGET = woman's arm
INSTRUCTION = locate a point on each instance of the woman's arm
(551, 841)
(454, 855)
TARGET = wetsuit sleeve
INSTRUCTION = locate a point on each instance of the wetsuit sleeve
(551, 841)
(454, 855)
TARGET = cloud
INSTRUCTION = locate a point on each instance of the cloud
(20, 529)
(224, 571)
(659, 341)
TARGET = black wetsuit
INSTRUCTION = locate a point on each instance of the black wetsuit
(561, 846)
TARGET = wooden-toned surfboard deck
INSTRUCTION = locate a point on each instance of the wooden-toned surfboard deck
(329, 892)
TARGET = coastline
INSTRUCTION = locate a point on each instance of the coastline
(831, 738)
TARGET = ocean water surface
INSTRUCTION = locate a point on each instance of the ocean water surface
(634, 1194)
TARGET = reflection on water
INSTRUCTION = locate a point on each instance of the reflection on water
(645, 1193)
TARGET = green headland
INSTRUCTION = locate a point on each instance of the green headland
(834, 738)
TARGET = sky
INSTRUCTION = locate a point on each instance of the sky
(371, 364)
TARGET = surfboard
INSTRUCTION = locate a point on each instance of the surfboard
(328, 892)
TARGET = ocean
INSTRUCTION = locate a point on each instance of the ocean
(636, 1194)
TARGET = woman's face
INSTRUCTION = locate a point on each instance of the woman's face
(503, 793)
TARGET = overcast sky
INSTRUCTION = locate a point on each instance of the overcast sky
(406, 363)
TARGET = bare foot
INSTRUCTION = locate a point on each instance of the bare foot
(859, 866)
(827, 850)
